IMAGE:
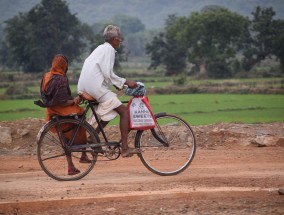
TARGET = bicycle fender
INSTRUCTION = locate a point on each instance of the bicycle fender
(160, 114)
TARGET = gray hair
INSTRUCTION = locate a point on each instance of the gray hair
(111, 32)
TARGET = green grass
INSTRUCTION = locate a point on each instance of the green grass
(197, 109)
(19, 109)
(201, 109)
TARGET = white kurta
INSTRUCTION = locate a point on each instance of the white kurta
(97, 74)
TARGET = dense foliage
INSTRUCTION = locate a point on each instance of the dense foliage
(47, 29)
(33, 38)
(217, 42)
(266, 38)
(214, 43)
(166, 50)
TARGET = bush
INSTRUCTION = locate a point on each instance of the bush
(17, 89)
(180, 79)
(218, 69)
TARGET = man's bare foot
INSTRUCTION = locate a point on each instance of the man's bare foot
(130, 152)
(85, 159)
(73, 171)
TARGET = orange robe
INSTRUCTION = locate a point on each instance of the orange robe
(56, 88)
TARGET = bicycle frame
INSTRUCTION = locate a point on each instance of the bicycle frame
(91, 105)
(161, 139)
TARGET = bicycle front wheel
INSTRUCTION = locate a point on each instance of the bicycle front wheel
(169, 148)
(54, 154)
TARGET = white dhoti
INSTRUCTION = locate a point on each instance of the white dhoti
(105, 110)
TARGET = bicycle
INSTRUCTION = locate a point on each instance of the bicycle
(167, 149)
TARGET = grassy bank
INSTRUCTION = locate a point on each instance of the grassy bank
(159, 85)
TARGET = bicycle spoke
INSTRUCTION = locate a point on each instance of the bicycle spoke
(54, 157)
(174, 153)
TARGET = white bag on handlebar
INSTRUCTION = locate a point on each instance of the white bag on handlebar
(140, 114)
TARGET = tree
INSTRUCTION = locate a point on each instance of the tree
(265, 38)
(165, 50)
(3, 55)
(278, 49)
(209, 39)
(128, 24)
(47, 29)
(213, 38)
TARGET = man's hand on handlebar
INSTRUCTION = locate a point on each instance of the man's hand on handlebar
(131, 84)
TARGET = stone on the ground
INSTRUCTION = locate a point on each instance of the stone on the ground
(5, 135)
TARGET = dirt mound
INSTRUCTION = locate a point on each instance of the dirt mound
(22, 135)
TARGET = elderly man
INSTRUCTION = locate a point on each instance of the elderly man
(97, 77)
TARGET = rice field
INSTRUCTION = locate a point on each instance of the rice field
(197, 109)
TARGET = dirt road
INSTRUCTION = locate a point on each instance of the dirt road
(245, 180)
(237, 169)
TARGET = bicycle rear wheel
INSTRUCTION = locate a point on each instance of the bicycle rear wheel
(169, 148)
(52, 152)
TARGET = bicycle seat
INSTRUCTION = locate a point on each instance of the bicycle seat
(86, 96)
(72, 115)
